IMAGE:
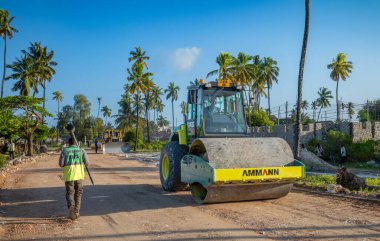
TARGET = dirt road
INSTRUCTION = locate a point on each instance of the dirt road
(127, 203)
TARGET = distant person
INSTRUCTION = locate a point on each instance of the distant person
(72, 160)
(96, 145)
(343, 154)
(12, 150)
(318, 150)
(303, 147)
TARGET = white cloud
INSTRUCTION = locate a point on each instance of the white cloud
(184, 58)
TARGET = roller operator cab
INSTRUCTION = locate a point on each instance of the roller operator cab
(212, 153)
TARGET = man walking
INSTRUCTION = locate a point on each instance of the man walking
(12, 150)
(343, 154)
(72, 160)
(96, 146)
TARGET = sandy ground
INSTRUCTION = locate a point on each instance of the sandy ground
(127, 203)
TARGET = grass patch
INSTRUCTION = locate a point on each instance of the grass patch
(318, 180)
(322, 181)
(367, 192)
(373, 181)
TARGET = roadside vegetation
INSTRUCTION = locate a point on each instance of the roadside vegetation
(358, 153)
(322, 181)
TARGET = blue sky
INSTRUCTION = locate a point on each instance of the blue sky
(92, 41)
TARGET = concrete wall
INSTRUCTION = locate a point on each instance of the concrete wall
(357, 131)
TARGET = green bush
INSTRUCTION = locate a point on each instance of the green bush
(334, 140)
(3, 160)
(130, 137)
(41, 133)
(312, 144)
(152, 146)
(361, 152)
(259, 118)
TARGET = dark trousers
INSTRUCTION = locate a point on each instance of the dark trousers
(343, 159)
(12, 154)
(74, 191)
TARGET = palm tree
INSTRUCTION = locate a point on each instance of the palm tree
(304, 105)
(195, 82)
(324, 99)
(156, 100)
(57, 96)
(43, 65)
(106, 113)
(241, 69)
(172, 93)
(139, 57)
(340, 69)
(162, 121)
(184, 110)
(270, 72)
(160, 107)
(224, 62)
(124, 118)
(140, 83)
(24, 72)
(136, 103)
(148, 105)
(257, 82)
(300, 78)
(351, 111)
(6, 31)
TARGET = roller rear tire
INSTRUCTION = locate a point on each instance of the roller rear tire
(170, 166)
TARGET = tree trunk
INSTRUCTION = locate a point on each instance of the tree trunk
(57, 124)
(249, 105)
(30, 144)
(44, 94)
(147, 115)
(173, 112)
(4, 68)
(258, 101)
(268, 102)
(337, 101)
(300, 79)
(44, 100)
(97, 119)
(154, 115)
(319, 113)
(137, 124)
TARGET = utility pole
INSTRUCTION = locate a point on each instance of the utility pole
(367, 110)
(286, 113)
(375, 112)
(342, 106)
(325, 116)
(278, 115)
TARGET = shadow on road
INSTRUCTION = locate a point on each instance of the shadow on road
(193, 234)
(97, 200)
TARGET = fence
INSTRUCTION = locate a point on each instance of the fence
(357, 131)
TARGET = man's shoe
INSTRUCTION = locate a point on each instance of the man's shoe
(72, 214)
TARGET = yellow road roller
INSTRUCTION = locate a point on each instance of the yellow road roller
(213, 155)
